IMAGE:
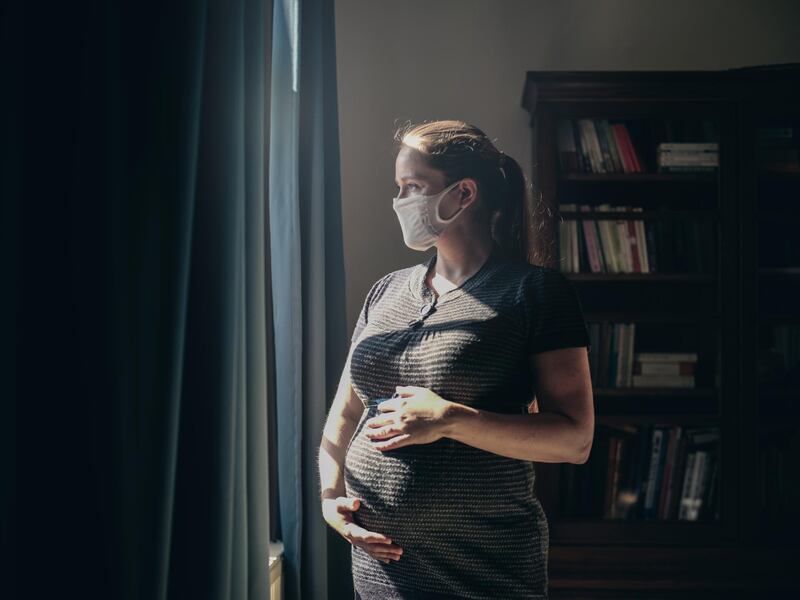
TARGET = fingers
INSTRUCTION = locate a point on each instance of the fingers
(394, 442)
(356, 533)
(348, 504)
(377, 545)
(380, 422)
(383, 552)
(381, 433)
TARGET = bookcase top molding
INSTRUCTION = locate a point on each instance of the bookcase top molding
(572, 86)
(711, 85)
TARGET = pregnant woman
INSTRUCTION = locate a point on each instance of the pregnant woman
(426, 461)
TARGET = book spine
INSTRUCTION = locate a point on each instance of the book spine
(594, 145)
(589, 234)
(671, 470)
(666, 356)
(583, 160)
(678, 381)
(638, 168)
(643, 246)
(586, 143)
(607, 241)
(688, 147)
(655, 453)
(688, 482)
(623, 244)
(619, 378)
(612, 144)
(633, 239)
(605, 151)
(627, 164)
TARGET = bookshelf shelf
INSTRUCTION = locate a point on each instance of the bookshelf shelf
(654, 317)
(725, 286)
(637, 177)
(790, 176)
(779, 317)
(645, 214)
(790, 391)
(779, 215)
(677, 392)
(644, 277)
(695, 420)
(779, 272)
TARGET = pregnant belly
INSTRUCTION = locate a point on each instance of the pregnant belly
(445, 485)
(397, 487)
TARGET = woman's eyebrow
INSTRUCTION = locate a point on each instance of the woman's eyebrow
(408, 177)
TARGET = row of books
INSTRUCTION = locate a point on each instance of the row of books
(632, 245)
(779, 356)
(646, 472)
(604, 145)
(597, 146)
(614, 364)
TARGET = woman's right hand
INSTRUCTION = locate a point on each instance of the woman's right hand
(337, 513)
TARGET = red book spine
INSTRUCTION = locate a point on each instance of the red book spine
(631, 150)
(627, 164)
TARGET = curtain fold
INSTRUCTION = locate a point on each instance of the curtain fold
(178, 208)
(308, 287)
(146, 300)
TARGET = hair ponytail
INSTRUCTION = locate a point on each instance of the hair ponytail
(508, 228)
(461, 150)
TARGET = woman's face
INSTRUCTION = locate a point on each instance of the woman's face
(413, 178)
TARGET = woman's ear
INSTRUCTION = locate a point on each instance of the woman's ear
(469, 190)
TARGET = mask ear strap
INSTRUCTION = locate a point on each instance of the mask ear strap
(460, 208)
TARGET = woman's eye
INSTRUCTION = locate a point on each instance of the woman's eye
(408, 185)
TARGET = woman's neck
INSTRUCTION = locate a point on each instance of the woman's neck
(453, 266)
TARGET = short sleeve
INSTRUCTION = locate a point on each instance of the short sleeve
(369, 301)
(554, 312)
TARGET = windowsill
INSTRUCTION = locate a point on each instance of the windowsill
(275, 554)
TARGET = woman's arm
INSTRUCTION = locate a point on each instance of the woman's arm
(343, 418)
(562, 431)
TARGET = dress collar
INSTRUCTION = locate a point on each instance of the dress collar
(421, 291)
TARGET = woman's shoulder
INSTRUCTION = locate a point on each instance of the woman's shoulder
(398, 275)
(529, 274)
(534, 282)
(389, 282)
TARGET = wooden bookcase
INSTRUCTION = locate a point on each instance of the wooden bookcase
(724, 312)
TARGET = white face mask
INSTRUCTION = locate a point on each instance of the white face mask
(419, 218)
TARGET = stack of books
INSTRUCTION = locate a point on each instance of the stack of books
(664, 369)
(647, 472)
(597, 146)
(611, 354)
(614, 364)
(673, 157)
(632, 245)
(612, 246)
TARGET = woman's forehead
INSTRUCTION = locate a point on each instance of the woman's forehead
(409, 165)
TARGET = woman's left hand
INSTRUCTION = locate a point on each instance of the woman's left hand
(417, 416)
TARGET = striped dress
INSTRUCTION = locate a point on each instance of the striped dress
(468, 520)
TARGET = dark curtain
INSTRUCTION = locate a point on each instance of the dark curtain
(137, 167)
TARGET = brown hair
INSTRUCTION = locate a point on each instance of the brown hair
(461, 150)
